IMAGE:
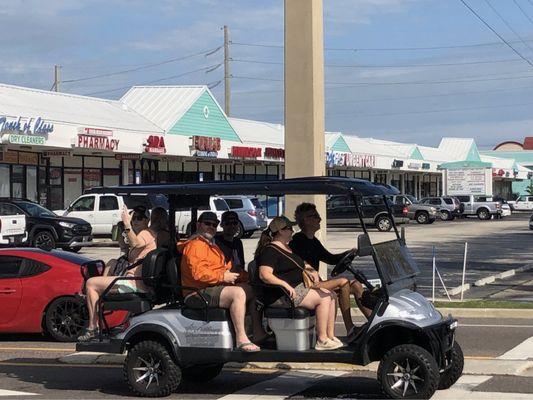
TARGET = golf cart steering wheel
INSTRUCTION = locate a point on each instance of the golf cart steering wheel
(344, 263)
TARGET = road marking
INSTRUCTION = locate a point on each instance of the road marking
(283, 386)
(493, 326)
(4, 392)
(36, 349)
(523, 351)
(59, 365)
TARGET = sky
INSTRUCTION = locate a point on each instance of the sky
(405, 70)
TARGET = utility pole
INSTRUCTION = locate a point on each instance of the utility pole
(227, 74)
(56, 78)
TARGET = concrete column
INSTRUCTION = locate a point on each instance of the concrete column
(125, 175)
(304, 99)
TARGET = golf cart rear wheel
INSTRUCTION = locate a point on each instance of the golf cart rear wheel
(150, 370)
(408, 372)
(456, 363)
(201, 373)
(383, 224)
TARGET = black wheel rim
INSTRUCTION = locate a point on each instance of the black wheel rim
(44, 241)
(68, 319)
(148, 371)
(405, 377)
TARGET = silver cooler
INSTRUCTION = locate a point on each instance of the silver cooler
(293, 334)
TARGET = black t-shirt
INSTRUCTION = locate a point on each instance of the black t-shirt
(233, 251)
(312, 251)
(284, 265)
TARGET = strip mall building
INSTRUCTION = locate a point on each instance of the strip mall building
(56, 145)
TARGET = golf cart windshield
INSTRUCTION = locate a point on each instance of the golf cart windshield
(396, 265)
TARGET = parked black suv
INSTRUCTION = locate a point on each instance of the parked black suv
(48, 230)
(341, 210)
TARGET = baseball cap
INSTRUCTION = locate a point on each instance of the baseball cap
(226, 215)
(208, 216)
(278, 223)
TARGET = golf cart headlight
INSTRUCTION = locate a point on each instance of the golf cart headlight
(454, 325)
(68, 225)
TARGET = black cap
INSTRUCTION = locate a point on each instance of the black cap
(229, 215)
(208, 216)
(141, 210)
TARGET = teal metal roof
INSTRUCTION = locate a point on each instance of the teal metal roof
(524, 157)
(416, 154)
(465, 164)
(341, 145)
(205, 118)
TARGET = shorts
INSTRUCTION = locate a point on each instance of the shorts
(283, 302)
(126, 287)
(211, 294)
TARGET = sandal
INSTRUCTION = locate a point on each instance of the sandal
(243, 347)
(88, 335)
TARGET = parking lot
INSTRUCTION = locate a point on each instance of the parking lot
(493, 246)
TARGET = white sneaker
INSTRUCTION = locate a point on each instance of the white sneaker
(327, 344)
(337, 340)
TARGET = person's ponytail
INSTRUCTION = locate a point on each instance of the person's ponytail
(264, 240)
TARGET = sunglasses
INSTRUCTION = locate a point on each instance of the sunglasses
(232, 222)
(211, 224)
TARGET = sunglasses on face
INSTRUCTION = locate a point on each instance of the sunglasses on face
(233, 222)
(210, 224)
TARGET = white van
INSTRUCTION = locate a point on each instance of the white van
(103, 211)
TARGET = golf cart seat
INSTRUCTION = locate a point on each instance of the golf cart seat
(294, 327)
(195, 310)
(153, 266)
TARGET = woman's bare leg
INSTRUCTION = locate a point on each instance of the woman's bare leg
(342, 285)
(320, 302)
(357, 290)
(95, 287)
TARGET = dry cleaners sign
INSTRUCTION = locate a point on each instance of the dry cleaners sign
(26, 130)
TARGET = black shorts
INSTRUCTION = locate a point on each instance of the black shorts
(210, 294)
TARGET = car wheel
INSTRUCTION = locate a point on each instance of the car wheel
(422, 218)
(201, 373)
(456, 362)
(150, 370)
(44, 240)
(445, 215)
(240, 231)
(408, 372)
(483, 214)
(384, 224)
(65, 319)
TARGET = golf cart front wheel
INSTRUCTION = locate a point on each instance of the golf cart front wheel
(408, 372)
(455, 361)
(150, 370)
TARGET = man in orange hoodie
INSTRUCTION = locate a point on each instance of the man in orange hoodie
(203, 266)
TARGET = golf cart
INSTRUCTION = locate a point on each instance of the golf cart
(413, 342)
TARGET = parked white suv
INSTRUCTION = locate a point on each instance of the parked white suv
(523, 203)
(252, 216)
(103, 211)
(12, 225)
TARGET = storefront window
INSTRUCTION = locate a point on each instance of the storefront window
(31, 183)
(111, 177)
(4, 183)
(17, 179)
(91, 178)
(72, 184)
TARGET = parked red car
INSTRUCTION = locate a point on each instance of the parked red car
(38, 292)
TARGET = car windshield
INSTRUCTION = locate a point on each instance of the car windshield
(35, 210)
(395, 261)
(412, 198)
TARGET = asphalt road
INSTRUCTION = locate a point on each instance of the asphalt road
(29, 365)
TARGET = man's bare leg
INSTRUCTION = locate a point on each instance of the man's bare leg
(234, 299)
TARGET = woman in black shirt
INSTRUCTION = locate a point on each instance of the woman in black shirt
(307, 246)
(279, 266)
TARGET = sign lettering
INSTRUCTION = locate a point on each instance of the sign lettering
(33, 126)
(97, 142)
(271, 152)
(335, 159)
(245, 152)
(155, 144)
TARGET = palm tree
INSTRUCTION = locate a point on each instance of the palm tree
(529, 189)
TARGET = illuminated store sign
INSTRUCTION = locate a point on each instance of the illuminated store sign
(97, 142)
(155, 144)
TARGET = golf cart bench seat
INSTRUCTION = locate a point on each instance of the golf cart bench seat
(291, 313)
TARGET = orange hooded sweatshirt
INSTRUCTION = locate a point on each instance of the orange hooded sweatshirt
(202, 264)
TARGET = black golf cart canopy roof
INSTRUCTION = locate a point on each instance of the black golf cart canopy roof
(309, 185)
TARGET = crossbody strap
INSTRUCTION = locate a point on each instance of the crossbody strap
(290, 258)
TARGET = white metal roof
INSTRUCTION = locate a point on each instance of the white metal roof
(72, 109)
(163, 105)
(456, 148)
(433, 154)
(257, 132)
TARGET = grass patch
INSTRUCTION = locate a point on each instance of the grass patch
(484, 304)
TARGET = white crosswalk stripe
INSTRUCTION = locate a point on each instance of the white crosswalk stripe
(4, 392)
(283, 386)
(523, 351)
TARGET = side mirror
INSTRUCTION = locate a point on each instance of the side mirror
(364, 247)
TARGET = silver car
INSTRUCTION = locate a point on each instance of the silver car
(252, 216)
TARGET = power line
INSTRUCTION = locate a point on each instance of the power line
(154, 81)
(435, 111)
(387, 66)
(496, 33)
(523, 11)
(508, 25)
(205, 53)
